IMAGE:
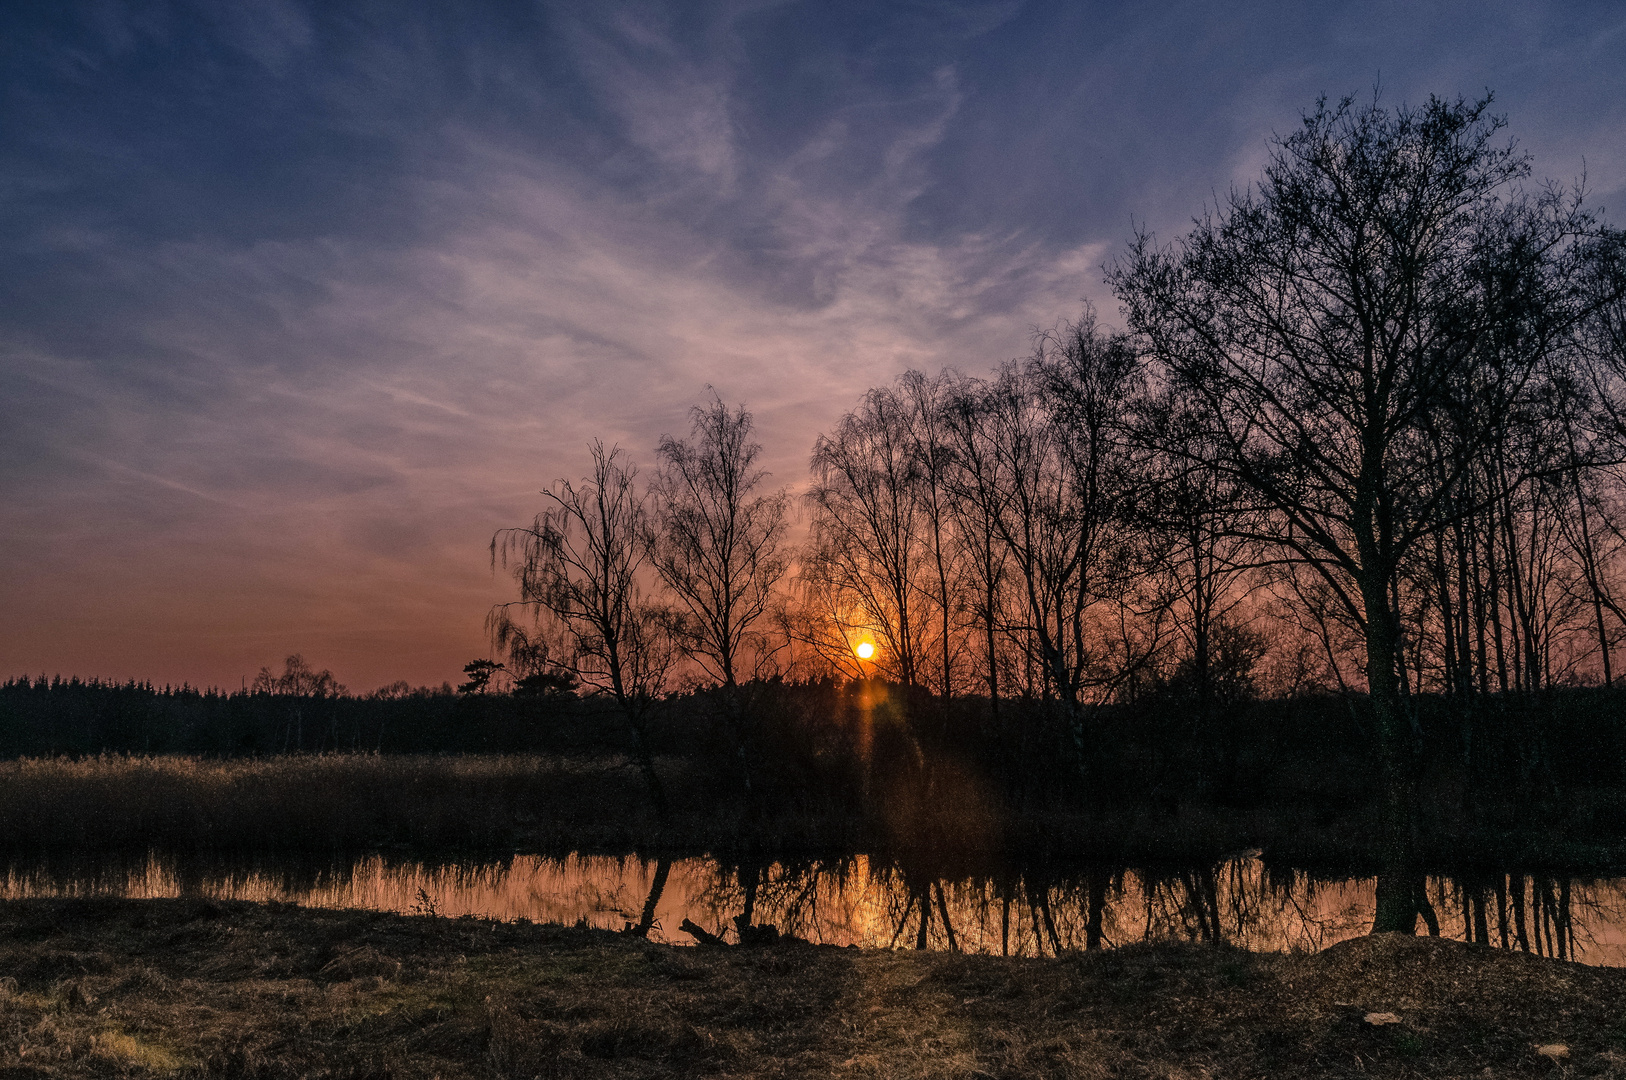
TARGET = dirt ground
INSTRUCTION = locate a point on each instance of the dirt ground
(194, 988)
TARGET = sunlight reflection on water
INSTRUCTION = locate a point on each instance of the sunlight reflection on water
(859, 901)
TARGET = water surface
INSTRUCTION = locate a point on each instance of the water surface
(876, 904)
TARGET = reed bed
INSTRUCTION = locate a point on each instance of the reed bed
(348, 803)
(317, 802)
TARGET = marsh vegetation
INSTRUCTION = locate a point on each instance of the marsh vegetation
(842, 768)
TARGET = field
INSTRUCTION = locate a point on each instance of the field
(189, 988)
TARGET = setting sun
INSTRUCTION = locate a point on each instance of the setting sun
(865, 650)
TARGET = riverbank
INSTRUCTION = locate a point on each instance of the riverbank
(103, 988)
(548, 804)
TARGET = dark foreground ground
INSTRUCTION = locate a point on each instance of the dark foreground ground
(136, 988)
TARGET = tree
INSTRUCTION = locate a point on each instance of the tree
(1326, 325)
(927, 403)
(1196, 524)
(867, 556)
(976, 499)
(298, 679)
(577, 565)
(1086, 549)
(480, 673)
(1040, 456)
(714, 539)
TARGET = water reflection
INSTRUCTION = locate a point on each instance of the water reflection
(871, 903)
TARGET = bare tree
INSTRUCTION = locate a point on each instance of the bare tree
(1325, 322)
(867, 553)
(715, 538)
(1057, 423)
(1197, 522)
(298, 679)
(926, 400)
(577, 565)
(976, 501)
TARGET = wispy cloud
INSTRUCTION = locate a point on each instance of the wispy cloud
(283, 356)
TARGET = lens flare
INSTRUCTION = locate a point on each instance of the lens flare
(865, 650)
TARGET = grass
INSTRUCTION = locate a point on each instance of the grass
(350, 802)
(188, 988)
(318, 802)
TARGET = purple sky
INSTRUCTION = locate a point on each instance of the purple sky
(302, 301)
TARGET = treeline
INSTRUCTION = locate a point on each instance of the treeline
(45, 717)
(870, 764)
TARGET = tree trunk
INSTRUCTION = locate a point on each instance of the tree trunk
(1518, 913)
(925, 901)
(646, 765)
(1396, 894)
(943, 916)
(1097, 904)
(646, 921)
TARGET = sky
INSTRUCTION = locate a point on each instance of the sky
(300, 302)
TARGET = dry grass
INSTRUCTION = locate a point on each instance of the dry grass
(463, 803)
(321, 802)
(353, 802)
(188, 988)
(327, 803)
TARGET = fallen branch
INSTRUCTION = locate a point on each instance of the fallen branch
(700, 933)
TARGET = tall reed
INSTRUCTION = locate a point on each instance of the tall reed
(313, 802)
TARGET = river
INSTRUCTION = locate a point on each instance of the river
(881, 904)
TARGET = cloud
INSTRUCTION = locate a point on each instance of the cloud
(362, 417)
(290, 335)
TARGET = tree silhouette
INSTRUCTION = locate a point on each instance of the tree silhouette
(867, 557)
(1326, 324)
(298, 679)
(715, 538)
(577, 566)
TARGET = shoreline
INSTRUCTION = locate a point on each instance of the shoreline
(1242, 903)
